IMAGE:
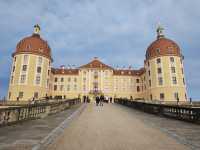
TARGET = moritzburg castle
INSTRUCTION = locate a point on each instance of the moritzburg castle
(32, 75)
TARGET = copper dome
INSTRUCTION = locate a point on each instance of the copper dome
(34, 45)
(162, 46)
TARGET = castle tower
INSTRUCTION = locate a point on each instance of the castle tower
(164, 70)
(31, 68)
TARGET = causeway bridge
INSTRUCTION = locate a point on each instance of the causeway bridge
(123, 125)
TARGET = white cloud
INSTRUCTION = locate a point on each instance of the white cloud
(114, 30)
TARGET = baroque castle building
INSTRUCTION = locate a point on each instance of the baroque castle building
(32, 75)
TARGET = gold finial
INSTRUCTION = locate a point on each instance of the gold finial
(160, 31)
(36, 29)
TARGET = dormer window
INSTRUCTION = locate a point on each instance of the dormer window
(40, 50)
(171, 59)
(158, 50)
(28, 46)
(170, 50)
(158, 61)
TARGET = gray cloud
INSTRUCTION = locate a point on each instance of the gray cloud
(116, 31)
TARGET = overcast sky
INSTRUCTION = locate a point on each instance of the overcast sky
(116, 31)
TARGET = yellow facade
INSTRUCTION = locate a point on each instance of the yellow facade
(23, 80)
(161, 78)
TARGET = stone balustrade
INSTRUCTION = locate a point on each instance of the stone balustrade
(179, 110)
(13, 112)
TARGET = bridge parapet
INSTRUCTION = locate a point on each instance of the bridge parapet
(182, 111)
(11, 112)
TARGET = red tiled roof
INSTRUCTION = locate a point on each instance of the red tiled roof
(96, 64)
(61, 71)
(162, 47)
(33, 44)
(128, 72)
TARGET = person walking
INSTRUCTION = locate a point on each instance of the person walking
(97, 100)
(101, 100)
(110, 99)
(84, 98)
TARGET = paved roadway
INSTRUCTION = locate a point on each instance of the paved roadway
(116, 127)
(25, 135)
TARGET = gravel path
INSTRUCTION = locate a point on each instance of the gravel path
(114, 127)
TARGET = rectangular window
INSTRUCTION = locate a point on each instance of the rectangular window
(176, 96)
(35, 94)
(181, 60)
(158, 61)
(37, 79)
(160, 81)
(183, 81)
(158, 51)
(61, 87)
(69, 79)
(172, 59)
(47, 83)
(162, 96)
(159, 70)
(174, 80)
(150, 83)
(84, 87)
(182, 70)
(13, 69)
(149, 72)
(39, 69)
(48, 72)
(9, 95)
(173, 69)
(39, 61)
(68, 87)
(56, 79)
(151, 97)
(25, 59)
(11, 79)
(23, 79)
(148, 64)
(24, 67)
(75, 87)
(137, 80)
(21, 94)
(138, 89)
(62, 79)
(75, 79)
(55, 87)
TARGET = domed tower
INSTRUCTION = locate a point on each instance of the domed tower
(164, 70)
(31, 68)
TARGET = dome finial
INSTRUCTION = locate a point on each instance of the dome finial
(36, 29)
(160, 31)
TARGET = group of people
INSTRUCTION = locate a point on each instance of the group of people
(86, 99)
(101, 99)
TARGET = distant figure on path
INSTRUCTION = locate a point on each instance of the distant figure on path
(110, 99)
(101, 100)
(87, 99)
(97, 100)
(84, 99)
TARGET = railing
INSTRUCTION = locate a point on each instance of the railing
(182, 110)
(27, 111)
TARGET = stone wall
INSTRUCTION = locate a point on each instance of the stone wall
(17, 112)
